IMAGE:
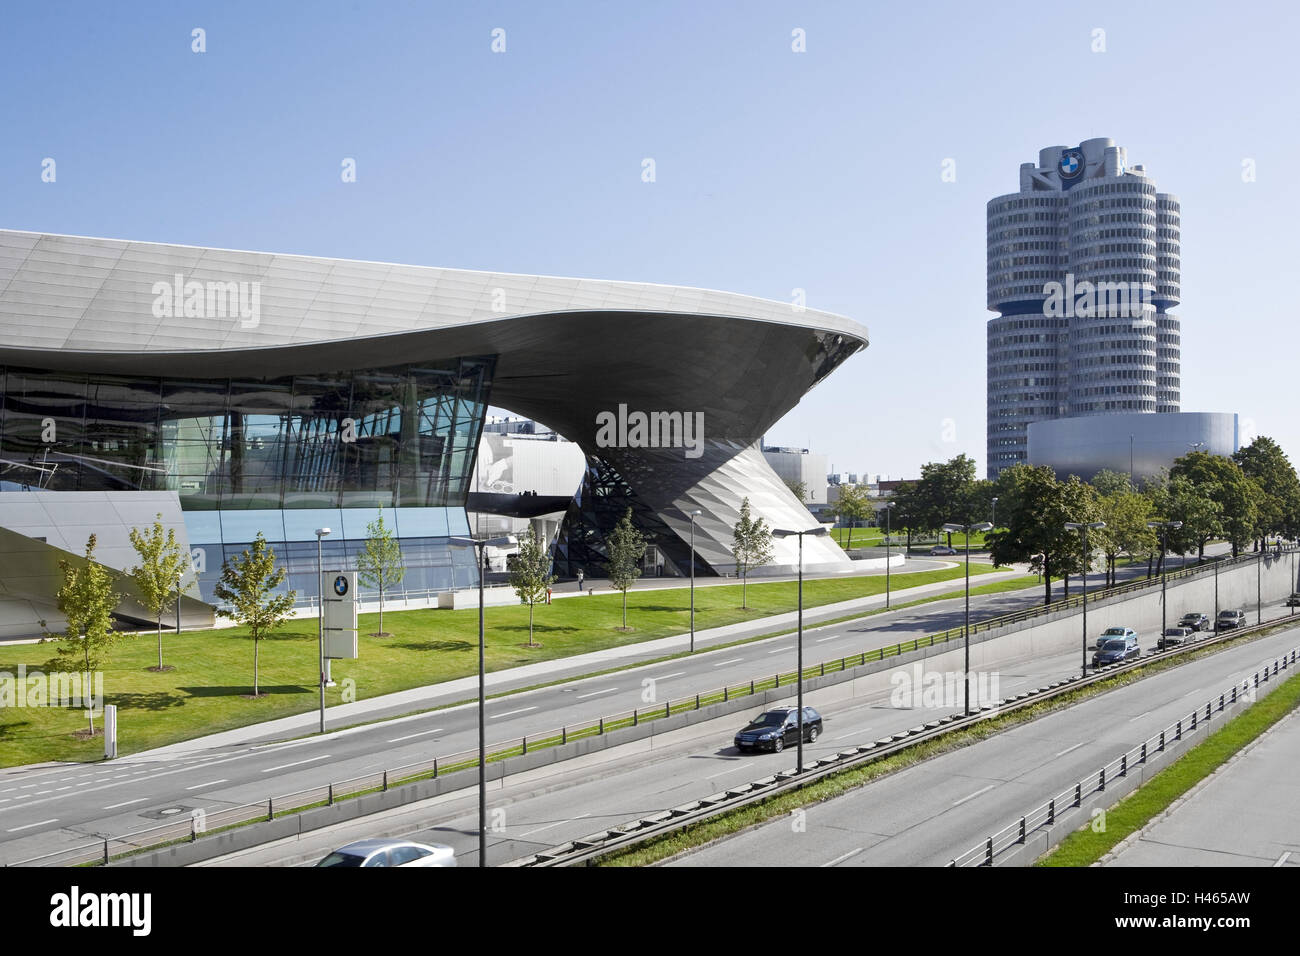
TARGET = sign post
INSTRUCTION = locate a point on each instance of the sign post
(340, 591)
(110, 731)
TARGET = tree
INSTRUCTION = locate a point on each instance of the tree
(379, 565)
(1264, 461)
(944, 493)
(87, 601)
(1223, 481)
(1033, 508)
(752, 547)
(1200, 514)
(908, 510)
(248, 583)
(626, 549)
(530, 575)
(799, 488)
(1126, 513)
(1107, 482)
(853, 506)
(158, 575)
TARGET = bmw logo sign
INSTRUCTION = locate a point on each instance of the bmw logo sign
(340, 585)
(1071, 165)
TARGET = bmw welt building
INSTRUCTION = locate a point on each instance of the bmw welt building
(237, 392)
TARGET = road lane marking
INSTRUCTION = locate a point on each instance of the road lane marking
(30, 825)
(734, 660)
(739, 766)
(286, 766)
(555, 824)
(673, 674)
(511, 713)
(1145, 713)
(842, 857)
(1281, 860)
(974, 795)
(856, 733)
(1068, 749)
(423, 733)
(210, 783)
(127, 804)
(596, 693)
(780, 649)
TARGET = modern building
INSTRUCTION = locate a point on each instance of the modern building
(1083, 270)
(800, 465)
(259, 392)
(1138, 445)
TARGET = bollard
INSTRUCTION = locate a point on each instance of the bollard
(1123, 765)
(1101, 779)
(988, 852)
(697, 701)
(1178, 734)
(523, 746)
(751, 686)
(106, 851)
(435, 768)
(1078, 794)
(564, 735)
(1022, 830)
(726, 694)
(602, 720)
(1051, 811)
(331, 803)
(634, 718)
(270, 808)
(1144, 751)
(1162, 740)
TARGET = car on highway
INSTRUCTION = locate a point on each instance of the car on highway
(939, 549)
(1195, 620)
(773, 729)
(1116, 650)
(1174, 636)
(1111, 633)
(390, 853)
(1294, 599)
(1227, 620)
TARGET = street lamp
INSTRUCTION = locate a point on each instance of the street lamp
(954, 528)
(1082, 528)
(889, 507)
(1165, 527)
(993, 519)
(694, 515)
(320, 620)
(482, 544)
(819, 531)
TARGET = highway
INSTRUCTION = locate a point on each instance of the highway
(549, 806)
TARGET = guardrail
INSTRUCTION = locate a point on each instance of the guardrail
(108, 848)
(591, 848)
(1045, 815)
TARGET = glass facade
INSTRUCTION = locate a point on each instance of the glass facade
(279, 455)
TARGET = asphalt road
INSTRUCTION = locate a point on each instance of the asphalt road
(544, 808)
(928, 814)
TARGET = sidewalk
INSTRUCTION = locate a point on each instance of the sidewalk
(464, 688)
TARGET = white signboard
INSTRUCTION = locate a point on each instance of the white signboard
(340, 591)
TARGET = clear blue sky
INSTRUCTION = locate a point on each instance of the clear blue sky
(775, 170)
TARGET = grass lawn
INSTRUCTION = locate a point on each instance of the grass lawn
(1084, 847)
(214, 669)
(875, 538)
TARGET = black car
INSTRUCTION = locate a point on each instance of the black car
(773, 729)
(1116, 650)
(1195, 620)
(1294, 599)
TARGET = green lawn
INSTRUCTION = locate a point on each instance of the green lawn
(875, 538)
(214, 669)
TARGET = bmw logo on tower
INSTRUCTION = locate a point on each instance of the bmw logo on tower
(1072, 163)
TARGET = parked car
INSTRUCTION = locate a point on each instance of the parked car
(1228, 620)
(773, 729)
(1124, 633)
(1116, 650)
(1294, 599)
(942, 549)
(390, 853)
(1195, 620)
(1174, 636)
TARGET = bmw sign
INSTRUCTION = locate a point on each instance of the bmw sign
(341, 585)
(1071, 164)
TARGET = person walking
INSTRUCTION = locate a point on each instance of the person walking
(579, 580)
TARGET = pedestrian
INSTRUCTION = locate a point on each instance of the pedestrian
(579, 579)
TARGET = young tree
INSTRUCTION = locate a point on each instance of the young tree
(530, 575)
(853, 506)
(87, 601)
(158, 575)
(626, 549)
(752, 547)
(248, 584)
(379, 565)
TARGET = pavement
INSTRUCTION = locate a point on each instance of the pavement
(1243, 814)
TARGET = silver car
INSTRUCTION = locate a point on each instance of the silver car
(390, 853)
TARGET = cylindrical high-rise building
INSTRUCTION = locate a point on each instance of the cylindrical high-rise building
(1082, 268)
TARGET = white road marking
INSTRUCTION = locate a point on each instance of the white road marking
(555, 824)
(511, 713)
(673, 674)
(1281, 860)
(973, 795)
(30, 825)
(127, 804)
(856, 733)
(779, 650)
(1145, 713)
(1068, 749)
(423, 733)
(286, 766)
(842, 857)
(739, 766)
(596, 693)
(734, 660)
(210, 783)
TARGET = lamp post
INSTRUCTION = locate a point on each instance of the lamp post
(320, 620)
(481, 545)
(1165, 527)
(953, 528)
(1082, 528)
(993, 519)
(1259, 588)
(782, 533)
(694, 515)
(889, 507)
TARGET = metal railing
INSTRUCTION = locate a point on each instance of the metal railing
(1016, 833)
